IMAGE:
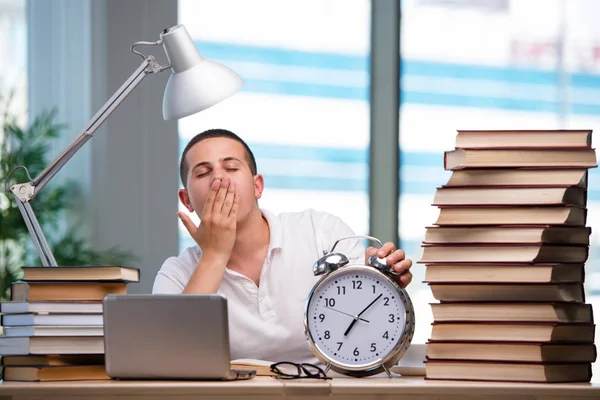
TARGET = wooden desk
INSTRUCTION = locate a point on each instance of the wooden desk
(269, 388)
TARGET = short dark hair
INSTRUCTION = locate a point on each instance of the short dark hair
(210, 134)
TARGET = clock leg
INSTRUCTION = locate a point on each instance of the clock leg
(327, 368)
(387, 371)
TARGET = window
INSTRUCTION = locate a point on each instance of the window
(492, 68)
(13, 69)
(13, 51)
(304, 108)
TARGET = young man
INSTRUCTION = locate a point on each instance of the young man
(261, 262)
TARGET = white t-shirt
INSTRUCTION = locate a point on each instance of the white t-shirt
(267, 321)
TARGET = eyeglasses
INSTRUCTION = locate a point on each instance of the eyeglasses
(284, 370)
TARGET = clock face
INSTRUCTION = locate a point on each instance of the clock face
(356, 316)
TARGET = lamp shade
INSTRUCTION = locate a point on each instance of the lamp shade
(195, 83)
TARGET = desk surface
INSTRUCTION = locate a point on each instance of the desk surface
(269, 388)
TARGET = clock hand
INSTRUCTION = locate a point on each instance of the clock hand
(341, 312)
(367, 307)
(359, 314)
(350, 326)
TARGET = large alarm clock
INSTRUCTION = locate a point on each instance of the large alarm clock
(357, 319)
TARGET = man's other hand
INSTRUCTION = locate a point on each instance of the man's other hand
(396, 258)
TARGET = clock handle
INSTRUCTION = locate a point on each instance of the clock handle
(353, 237)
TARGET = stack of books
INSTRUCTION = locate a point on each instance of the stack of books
(506, 256)
(53, 324)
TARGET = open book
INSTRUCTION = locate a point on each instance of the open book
(262, 367)
(412, 363)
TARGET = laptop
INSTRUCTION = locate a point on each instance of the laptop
(164, 336)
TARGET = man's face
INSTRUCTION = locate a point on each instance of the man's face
(222, 158)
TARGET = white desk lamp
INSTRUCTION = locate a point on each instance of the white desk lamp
(194, 85)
